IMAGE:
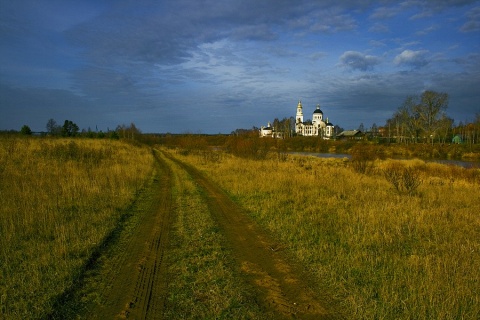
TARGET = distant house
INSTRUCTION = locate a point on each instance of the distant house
(350, 135)
(457, 139)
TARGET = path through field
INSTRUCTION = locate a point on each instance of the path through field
(282, 286)
(133, 280)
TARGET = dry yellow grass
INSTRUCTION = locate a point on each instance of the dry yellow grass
(385, 255)
(59, 199)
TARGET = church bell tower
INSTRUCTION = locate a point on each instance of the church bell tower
(299, 117)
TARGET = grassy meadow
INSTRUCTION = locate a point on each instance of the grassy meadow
(383, 253)
(203, 280)
(59, 200)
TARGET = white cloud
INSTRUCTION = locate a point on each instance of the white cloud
(415, 59)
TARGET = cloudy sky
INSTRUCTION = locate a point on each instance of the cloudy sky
(204, 66)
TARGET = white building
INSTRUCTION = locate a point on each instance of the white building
(270, 131)
(266, 131)
(316, 127)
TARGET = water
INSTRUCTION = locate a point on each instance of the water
(464, 164)
(323, 155)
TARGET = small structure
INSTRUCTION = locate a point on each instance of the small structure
(457, 139)
(350, 135)
(270, 132)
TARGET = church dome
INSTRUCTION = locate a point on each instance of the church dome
(318, 109)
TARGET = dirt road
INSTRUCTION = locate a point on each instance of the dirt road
(131, 281)
(137, 287)
(282, 285)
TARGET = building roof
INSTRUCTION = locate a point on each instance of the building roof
(349, 133)
(318, 109)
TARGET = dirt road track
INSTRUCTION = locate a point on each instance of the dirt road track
(282, 287)
(137, 283)
(132, 283)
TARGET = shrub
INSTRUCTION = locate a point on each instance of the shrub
(363, 156)
(404, 180)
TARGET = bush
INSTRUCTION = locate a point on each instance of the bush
(363, 156)
(404, 180)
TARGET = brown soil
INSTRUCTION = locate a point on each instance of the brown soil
(136, 285)
(133, 284)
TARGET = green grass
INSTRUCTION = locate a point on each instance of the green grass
(204, 281)
(59, 199)
(384, 254)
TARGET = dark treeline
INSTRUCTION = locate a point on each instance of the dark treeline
(71, 129)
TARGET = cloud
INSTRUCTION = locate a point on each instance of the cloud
(415, 59)
(358, 61)
(333, 23)
(473, 22)
(259, 32)
(385, 13)
(379, 28)
(427, 30)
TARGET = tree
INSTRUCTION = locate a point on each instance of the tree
(52, 127)
(69, 129)
(129, 132)
(26, 130)
(421, 117)
(445, 130)
(429, 112)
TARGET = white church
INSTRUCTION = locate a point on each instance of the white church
(316, 127)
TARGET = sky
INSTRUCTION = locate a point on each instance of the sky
(204, 66)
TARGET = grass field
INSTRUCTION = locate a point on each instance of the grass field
(59, 199)
(203, 280)
(383, 253)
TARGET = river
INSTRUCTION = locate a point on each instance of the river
(464, 164)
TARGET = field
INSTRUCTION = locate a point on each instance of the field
(382, 253)
(367, 249)
(59, 200)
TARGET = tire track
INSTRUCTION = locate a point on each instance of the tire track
(136, 285)
(282, 286)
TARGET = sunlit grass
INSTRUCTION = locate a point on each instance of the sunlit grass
(383, 254)
(58, 201)
(203, 280)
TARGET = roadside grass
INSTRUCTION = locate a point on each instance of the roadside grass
(203, 280)
(59, 199)
(384, 254)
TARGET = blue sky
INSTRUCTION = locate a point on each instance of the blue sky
(214, 66)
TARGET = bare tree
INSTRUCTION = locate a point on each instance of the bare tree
(430, 111)
(422, 117)
(53, 128)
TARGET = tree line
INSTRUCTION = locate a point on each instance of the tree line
(423, 119)
(71, 129)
